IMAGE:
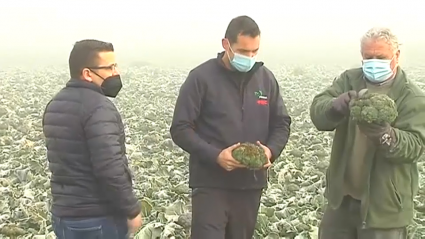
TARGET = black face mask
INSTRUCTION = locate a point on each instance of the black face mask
(111, 86)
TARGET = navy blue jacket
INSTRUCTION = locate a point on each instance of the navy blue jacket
(86, 151)
(216, 108)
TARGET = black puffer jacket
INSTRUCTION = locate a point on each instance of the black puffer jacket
(86, 151)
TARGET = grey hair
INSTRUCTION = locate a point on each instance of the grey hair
(382, 33)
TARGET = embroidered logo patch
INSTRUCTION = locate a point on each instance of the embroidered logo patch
(261, 98)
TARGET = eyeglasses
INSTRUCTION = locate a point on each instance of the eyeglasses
(110, 67)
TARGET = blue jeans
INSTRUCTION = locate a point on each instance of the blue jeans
(90, 228)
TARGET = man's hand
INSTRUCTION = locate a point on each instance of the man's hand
(374, 131)
(268, 154)
(134, 224)
(340, 105)
(226, 160)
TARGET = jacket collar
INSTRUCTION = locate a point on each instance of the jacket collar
(78, 83)
(400, 82)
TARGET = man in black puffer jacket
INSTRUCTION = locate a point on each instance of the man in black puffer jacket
(91, 183)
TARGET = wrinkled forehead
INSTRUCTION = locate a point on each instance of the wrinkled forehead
(376, 49)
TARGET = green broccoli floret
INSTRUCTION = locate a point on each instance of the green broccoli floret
(373, 108)
(250, 155)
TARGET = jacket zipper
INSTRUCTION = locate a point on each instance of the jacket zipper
(242, 95)
(365, 207)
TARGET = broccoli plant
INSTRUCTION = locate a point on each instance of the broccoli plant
(373, 108)
(250, 155)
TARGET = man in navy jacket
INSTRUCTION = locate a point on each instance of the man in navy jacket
(91, 182)
(225, 101)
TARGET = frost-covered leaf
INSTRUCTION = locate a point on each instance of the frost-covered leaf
(291, 207)
(150, 231)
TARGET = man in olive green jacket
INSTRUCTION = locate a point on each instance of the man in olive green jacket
(372, 176)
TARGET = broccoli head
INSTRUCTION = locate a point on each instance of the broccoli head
(373, 108)
(250, 155)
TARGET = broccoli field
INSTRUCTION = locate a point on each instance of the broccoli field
(291, 206)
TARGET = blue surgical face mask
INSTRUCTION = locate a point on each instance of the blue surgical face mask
(377, 70)
(240, 62)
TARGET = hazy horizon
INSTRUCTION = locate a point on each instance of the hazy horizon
(186, 33)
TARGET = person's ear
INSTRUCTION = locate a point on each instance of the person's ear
(86, 75)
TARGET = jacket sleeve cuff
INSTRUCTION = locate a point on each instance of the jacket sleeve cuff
(274, 152)
(135, 211)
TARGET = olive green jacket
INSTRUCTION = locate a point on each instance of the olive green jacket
(393, 173)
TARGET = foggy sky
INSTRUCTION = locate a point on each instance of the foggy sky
(185, 33)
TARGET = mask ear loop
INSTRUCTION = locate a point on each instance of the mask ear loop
(97, 74)
(227, 53)
(228, 42)
(395, 66)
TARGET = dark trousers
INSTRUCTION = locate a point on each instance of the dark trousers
(224, 214)
(345, 223)
(90, 228)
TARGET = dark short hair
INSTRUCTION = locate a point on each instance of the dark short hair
(242, 25)
(85, 54)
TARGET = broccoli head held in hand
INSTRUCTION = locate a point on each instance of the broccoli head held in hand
(373, 108)
(250, 155)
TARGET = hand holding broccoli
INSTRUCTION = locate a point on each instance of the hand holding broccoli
(373, 108)
(340, 105)
(375, 131)
(374, 114)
